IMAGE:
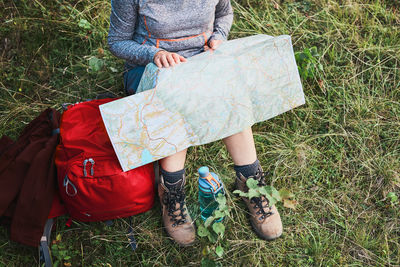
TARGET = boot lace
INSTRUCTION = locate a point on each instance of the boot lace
(172, 199)
(261, 204)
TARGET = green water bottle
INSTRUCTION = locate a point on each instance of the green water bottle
(209, 187)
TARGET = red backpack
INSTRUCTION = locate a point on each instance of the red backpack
(90, 179)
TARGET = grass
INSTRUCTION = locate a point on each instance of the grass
(339, 153)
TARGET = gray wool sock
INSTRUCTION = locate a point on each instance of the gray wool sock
(247, 170)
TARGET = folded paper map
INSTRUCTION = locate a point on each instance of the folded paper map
(213, 95)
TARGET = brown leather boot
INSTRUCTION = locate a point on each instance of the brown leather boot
(175, 216)
(264, 219)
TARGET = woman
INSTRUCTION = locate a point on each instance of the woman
(166, 33)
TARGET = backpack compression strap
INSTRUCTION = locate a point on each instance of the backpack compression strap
(44, 250)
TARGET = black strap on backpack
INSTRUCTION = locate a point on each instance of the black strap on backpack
(44, 249)
(131, 237)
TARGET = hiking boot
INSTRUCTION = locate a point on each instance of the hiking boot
(175, 216)
(264, 219)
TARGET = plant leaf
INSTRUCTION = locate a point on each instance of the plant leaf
(221, 199)
(209, 221)
(275, 194)
(224, 208)
(285, 194)
(251, 183)
(241, 193)
(212, 237)
(205, 251)
(393, 197)
(291, 204)
(83, 23)
(253, 193)
(218, 214)
(219, 251)
(113, 69)
(219, 228)
(95, 64)
(202, 231)
(263, 191)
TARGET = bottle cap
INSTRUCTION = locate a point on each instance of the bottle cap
(209, 182)
(204, 171)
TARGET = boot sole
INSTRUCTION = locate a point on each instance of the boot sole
(179, 244)
(260, 235)
(172, 239)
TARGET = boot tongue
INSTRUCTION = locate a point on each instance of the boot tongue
(176, 186)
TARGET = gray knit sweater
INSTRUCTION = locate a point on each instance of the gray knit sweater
(141, 28)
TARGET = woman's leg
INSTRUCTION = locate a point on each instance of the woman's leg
(176, 219)
(241, 147)
(174, 162)
(265, 219)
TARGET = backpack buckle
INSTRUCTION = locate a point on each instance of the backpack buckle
(91, 168)
(68, 182)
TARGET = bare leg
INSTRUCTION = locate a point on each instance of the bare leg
(175, 162)
(241, 147)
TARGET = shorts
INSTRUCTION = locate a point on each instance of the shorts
(132, 78)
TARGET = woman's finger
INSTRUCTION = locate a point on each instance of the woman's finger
(164, 61)
(215, 43)
(182, 58)
(171, 60)
(176, 58)
(157, 62)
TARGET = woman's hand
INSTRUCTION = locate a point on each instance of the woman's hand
(166, 59)
(213, 45)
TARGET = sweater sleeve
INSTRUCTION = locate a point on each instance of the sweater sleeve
(122, 27)
(223, 20)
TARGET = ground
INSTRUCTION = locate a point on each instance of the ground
(339, 153)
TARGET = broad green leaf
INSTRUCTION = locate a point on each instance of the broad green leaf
(241, 193)
(314, 51)
(251, 183)
(222, 205)
(219, 214)
(96, 64)
(224, 209)
(253, 193)
(202, 231)
(212, 237)
(393, 197)
(274, 193)
(83, 23)
(221, 199)
(219, 228)
(263, 191)
(219, 251)
(271, 199)
(209, 221)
